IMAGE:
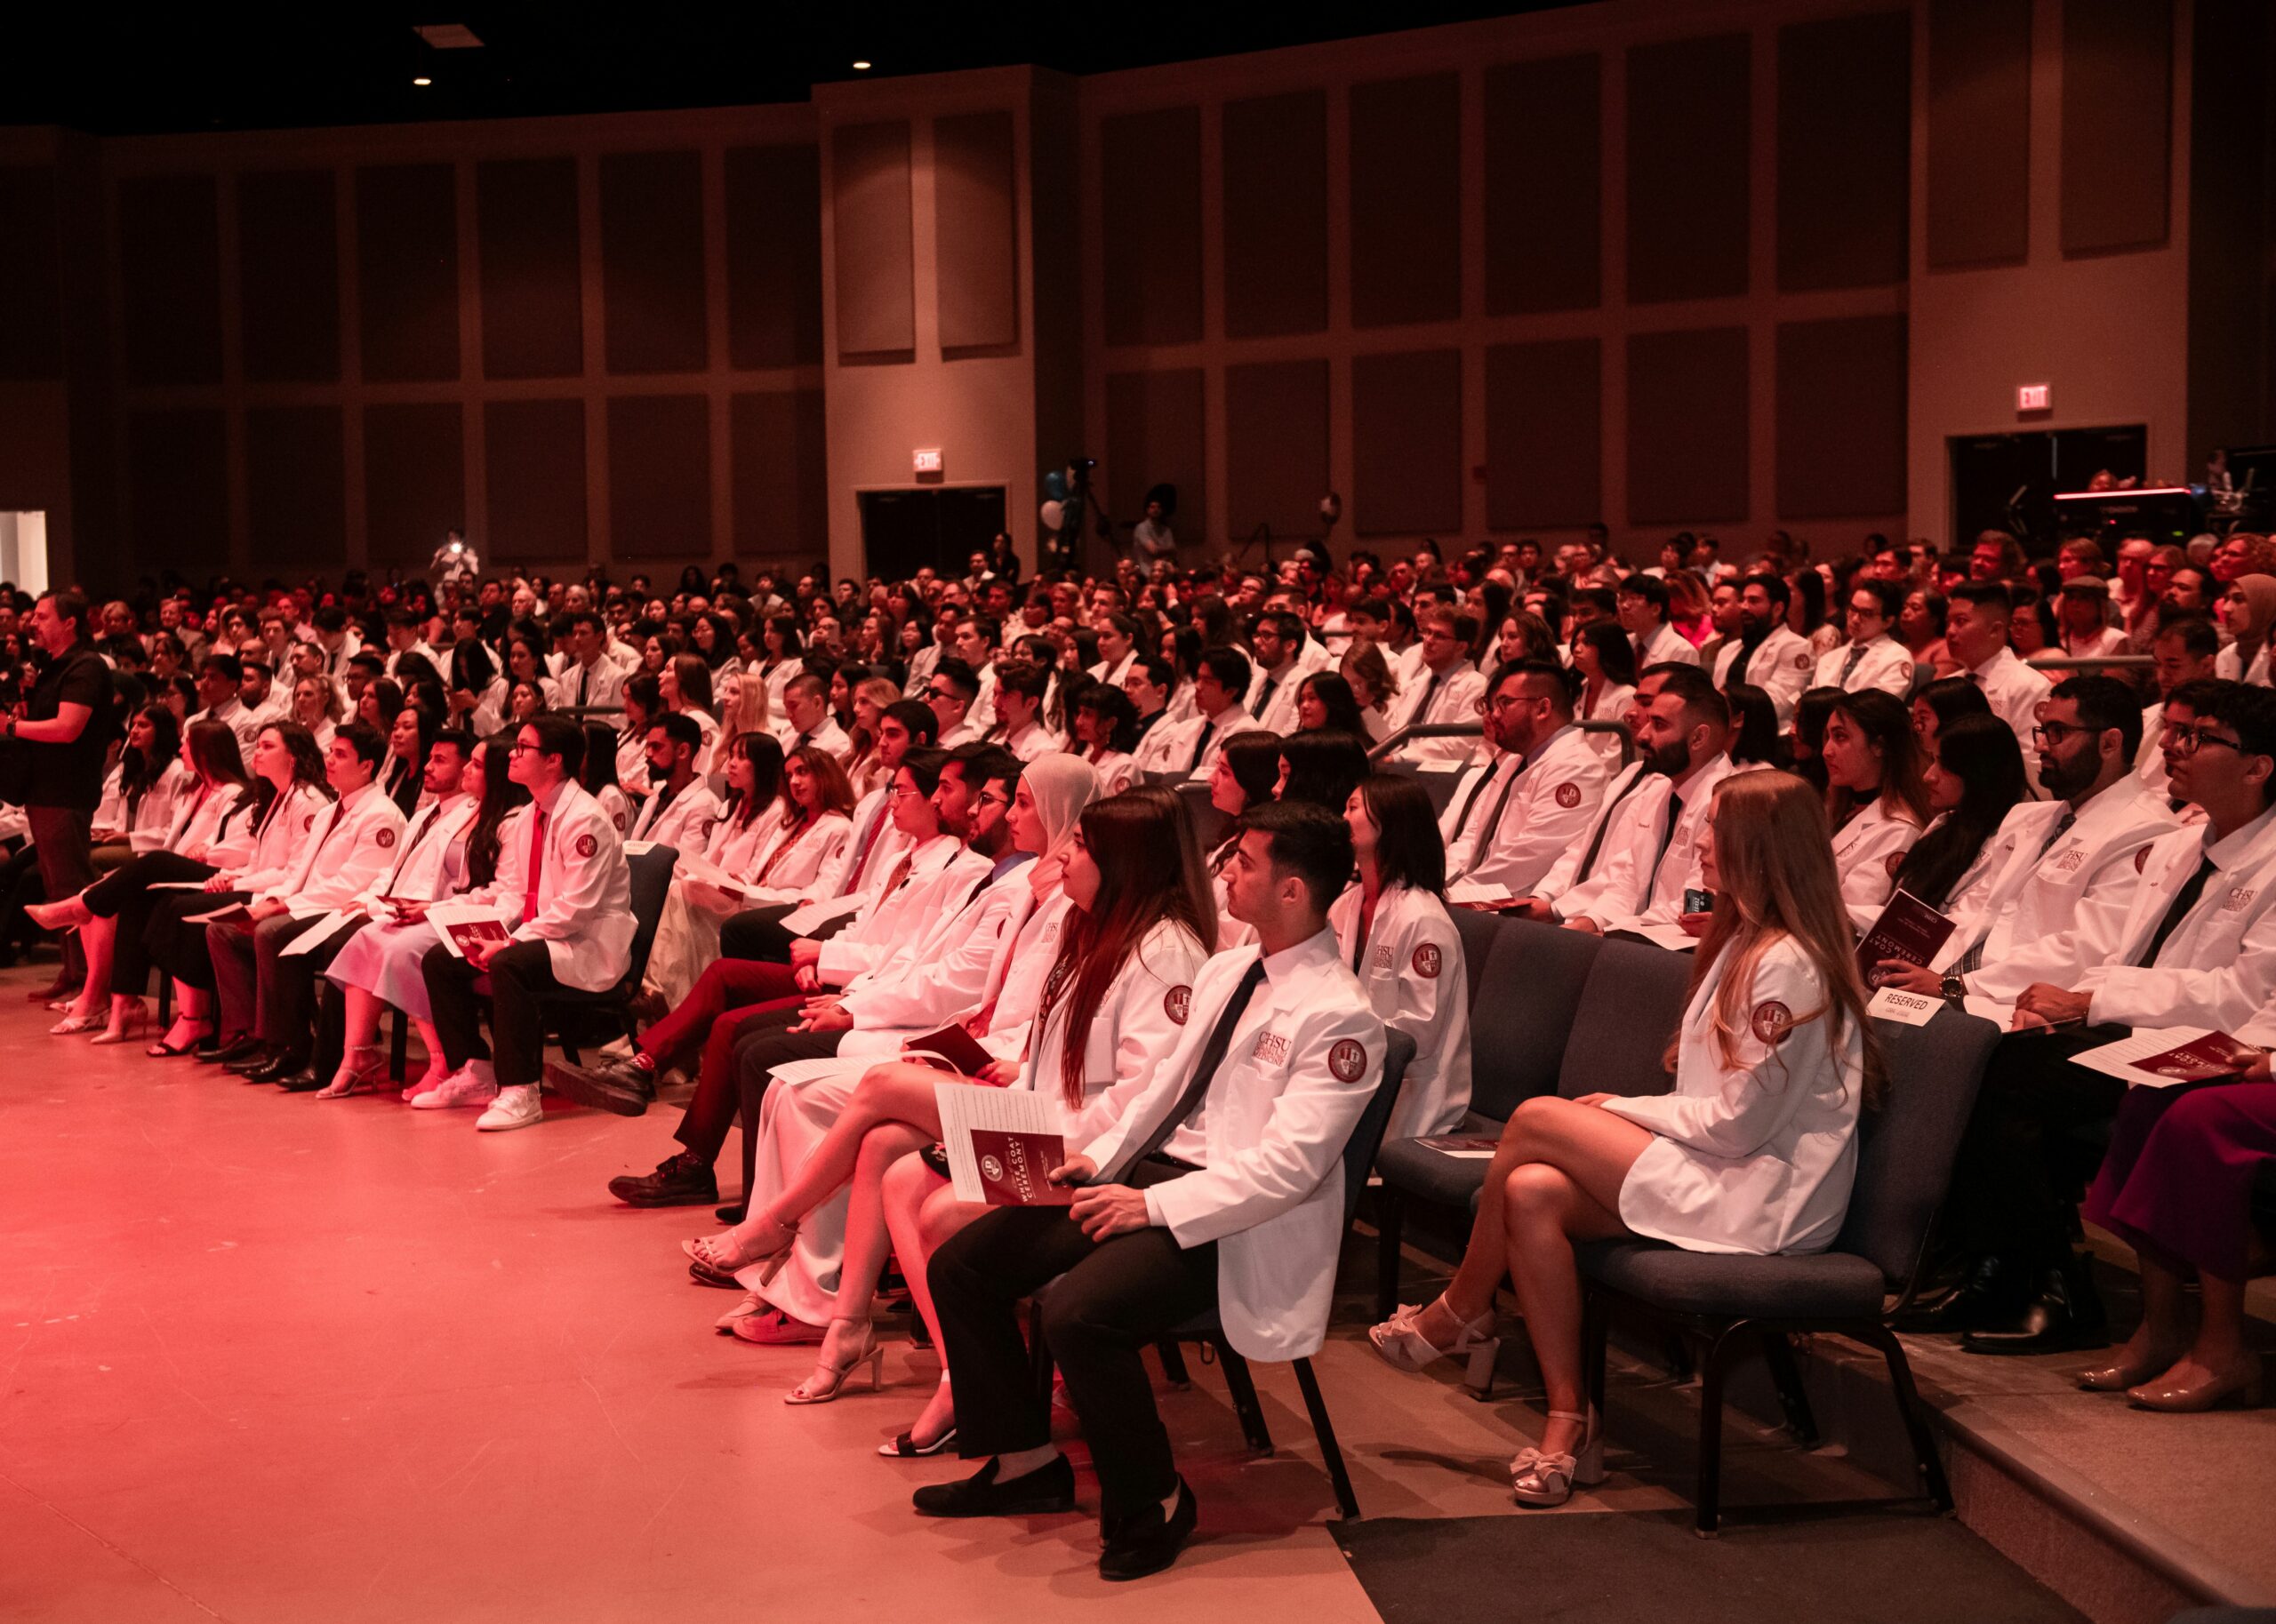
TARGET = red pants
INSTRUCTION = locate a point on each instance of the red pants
(729, 992)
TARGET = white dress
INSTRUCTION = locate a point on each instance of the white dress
(1756, 1157)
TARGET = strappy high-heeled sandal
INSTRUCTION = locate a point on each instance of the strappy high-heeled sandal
(200, 1029)
(130, 1026)
(1401, 1342)
(70, 1026)
(829, 1379)
(1541, 1479)
(723, 1254)
(353, 1079)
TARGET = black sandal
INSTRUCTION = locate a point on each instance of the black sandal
(163, 1050)
(907, 1448)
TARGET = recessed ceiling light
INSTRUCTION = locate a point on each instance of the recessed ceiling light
(448, 35)
(860, 67)
(422, 80)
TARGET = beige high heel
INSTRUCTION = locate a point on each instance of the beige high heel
(353, 1079)
(2243, 1383)
(831, 1378)
(130, 1026)
(1540, 1479)
(722, 1254)
(1401, 1342)
(71, 1026)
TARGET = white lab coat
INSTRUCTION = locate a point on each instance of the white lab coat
(1758, 1158)
(1014, 985)
(2013, 692)
(1305, 1058)
(881, 926)
(937, 969)
(2219, 964)
(1141, 1019)
(1782, 666)
(1457, 699)
(417, 873)
(684, 824)
(280, 836)
(353, 845)
(1412, 969)
(1867, 851)
(1528, 819)
(1278, 715)
(1565, 873)
(584, 890)
(1639, 880)
(1885, 664)
(1665, 645)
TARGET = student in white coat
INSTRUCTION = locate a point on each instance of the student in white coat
(1221, 1183)
(1393, 929)
(1641, 603)
(1445, 688)
(1872, 658)
(1975, 632)
(1116, 994)
(1875, 802)
(1752, 1152)
(1768, 653)
(565, 895)
(1511, 818)
(1975, 782)
(680, 810)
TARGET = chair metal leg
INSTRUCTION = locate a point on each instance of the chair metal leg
(1243, 1389)
(1391, 1221)
(1330, 1453)
(1711, 1437)
(399, 1048)
(1174, 1362)
(1596, 1330)
(1793, 1398)
(1908, 1404)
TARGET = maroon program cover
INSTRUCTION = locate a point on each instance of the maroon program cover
(2215, 1055)
(469, 932)
(1013, 1165)
(1908, 929)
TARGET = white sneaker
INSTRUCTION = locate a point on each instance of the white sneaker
(473, 1083)
(516, 1108)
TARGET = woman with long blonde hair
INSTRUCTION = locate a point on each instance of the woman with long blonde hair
(1752, 1151)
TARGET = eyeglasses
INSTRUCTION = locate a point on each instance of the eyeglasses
(2188, 741)
(2055, 732)
(517, 747)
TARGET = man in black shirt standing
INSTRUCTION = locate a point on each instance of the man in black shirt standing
(61, 733)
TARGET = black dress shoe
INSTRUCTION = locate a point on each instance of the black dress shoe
(1038, 1493)
(622, 1086)
(251, 1059)
(1149, 1541)
(1992, 1294)
(2067, 1314)
(275, 1069)
(304, 1081)
(215, 1051)
(681, 1180)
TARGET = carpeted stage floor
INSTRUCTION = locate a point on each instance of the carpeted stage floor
(264, 1358)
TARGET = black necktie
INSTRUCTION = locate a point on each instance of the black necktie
(1264, 697)
(1205, 1068)
(1470, 802)
(1667, 839)
(1201, 748)
(584, 677)
(2061, 827)
(1849, 665)
(1595, 844)
(2185, 900)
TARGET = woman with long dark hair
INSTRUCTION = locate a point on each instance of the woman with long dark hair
(1326, 704)
(212, 828)
(684, 685)
(1323, 768)
(1393, 929)
(1113, 1003)
(1973, 779)
(598, 776)
(1752, 1152)
(478, 689)
(785, 649)
(1875, 800)
(140, 789)
(1755, 739)
(1606, 661)
(402, 774)
(687, 934)
(644, 702)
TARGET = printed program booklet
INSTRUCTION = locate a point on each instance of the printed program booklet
(1001, 1142)
(2160, 1056)
(1908, 929)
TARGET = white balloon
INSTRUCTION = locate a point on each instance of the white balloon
(1055, 514)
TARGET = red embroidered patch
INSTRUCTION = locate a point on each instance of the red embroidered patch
(1568, 795)
(587, 845)
(1771, 1020)
(1893, 862)
(1427, 960)
(1803, 662)
(386, 837)
(2140, 858)
(1347, 1060)
(1177, 1004)
(618, 819)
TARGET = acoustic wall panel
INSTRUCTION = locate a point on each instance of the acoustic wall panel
(1407, 442)
(533, 315)
(659, 476)
(178, 491)
(781, 478)
(975, 232)
(414, 481)
(296, 488)
(1687, 426)
(533, 460)
(1154, 423)
(1406, 201)
(876, 276)
(31, 276)
(2117, 123)
(407, 259)
(1842, 410)
(169, 278)
(1543, 435)
(1276, 214)
(1845, 152)
(1543, 186)
(1276, 448)
(1979, 132)
(651, 261)
(773, 257)
(1688, 170)
(288, 276)
(1151, 169)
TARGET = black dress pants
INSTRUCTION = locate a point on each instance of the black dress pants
(1112, 1299)
(125, 894)
(2010, 1187)
(521, 980)
(177, 946)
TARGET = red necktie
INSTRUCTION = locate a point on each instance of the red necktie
(537, 867)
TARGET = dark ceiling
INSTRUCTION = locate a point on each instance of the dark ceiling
(146, 71)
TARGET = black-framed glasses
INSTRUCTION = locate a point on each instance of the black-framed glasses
(2055, 732)
(2188, 741)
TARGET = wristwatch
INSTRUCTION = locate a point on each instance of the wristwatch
(1955, 991)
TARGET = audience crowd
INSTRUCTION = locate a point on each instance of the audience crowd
(894, 829)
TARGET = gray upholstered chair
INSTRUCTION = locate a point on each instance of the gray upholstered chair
(1854, 1289)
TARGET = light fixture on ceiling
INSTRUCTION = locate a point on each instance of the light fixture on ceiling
(862, 68)
(422, 81)
(448, 35)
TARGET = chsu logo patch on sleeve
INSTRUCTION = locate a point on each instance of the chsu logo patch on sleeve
(1771, 1020)
(1177, 1004)
(1568, 795)
(587, 845)
(1427, 960)
(1347, 1060)
(386, 837)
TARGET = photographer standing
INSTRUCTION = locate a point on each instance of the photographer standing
(58, 738)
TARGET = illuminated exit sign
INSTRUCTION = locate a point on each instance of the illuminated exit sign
(928, 462)
(2035, 397)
